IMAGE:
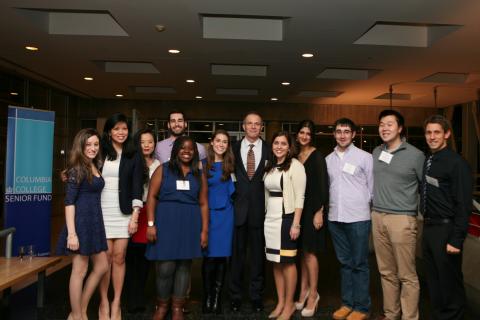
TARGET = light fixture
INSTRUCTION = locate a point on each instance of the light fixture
(14, 93)
(198, 97)
(274, 99)
(160, 27)
(31, 48)
(285, 83)
(88, 78)
(190, 81)
(119, 95)
(307, 55)
(174, 51)
(220, 124)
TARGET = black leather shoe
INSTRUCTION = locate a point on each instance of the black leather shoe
(235, 305)
(257, 305)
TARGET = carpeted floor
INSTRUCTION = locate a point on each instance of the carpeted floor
(22, 304)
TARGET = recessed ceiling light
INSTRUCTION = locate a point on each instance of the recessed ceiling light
(31, 48)
(190, 80)
(14, 93)
(160, 27)
(198, 97)
(274, 99)
(307, 55)
(174, 51)
(119, 95)
(285, 83)
(88, 78)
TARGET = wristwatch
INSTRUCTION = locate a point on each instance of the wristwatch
(151, 223)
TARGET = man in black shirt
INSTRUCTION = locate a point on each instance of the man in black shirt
(447, 205)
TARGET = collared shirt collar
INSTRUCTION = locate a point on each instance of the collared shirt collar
(248, 143)
(402, 145)
(350, 147)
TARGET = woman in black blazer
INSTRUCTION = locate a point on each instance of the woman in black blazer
(121, 202)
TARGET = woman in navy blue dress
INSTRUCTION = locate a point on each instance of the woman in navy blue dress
(177, 224)
(220, 166)
(84, 233)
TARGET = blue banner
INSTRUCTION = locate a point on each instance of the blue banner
(28, 177)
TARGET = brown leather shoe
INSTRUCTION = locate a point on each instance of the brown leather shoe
(161, 309)
(342, 313)
(177, 308)
(357, 315)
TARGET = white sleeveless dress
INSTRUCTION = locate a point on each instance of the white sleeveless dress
(116, 223)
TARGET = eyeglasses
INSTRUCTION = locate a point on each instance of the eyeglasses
(344, 132)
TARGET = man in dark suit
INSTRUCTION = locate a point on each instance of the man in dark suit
(251, 153)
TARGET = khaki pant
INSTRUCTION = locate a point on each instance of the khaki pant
(394, 239)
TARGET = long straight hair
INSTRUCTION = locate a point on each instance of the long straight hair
(78, 166)
(127, 148)
(138, 147)
(228, 163)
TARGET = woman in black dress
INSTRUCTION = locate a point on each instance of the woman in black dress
(312, 239)
(84, 233)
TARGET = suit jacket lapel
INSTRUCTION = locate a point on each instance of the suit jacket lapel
(238, 155)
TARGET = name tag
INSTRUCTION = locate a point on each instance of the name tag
(385, 157)
(233, 177)
(349, 168)
(183, 185)
(432, 181)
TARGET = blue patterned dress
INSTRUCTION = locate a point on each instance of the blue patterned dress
(88, 216)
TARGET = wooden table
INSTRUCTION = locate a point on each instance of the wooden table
(14, 270)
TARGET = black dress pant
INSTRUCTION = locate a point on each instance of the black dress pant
(443, 273)
(244, 237)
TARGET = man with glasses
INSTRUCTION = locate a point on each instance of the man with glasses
(251, 153)
(176, 128)
(397, 172)
(351, 187)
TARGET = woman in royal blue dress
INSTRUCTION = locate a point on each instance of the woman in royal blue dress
(177, 224)
(84, 233)
(220, 166)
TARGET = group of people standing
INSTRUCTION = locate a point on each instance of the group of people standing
(174, 201)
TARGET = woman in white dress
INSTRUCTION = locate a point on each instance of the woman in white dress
(121, 202)
(285, 182)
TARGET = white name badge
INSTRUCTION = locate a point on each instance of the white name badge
(432, 181)
(385, 157)
(183, 185)
(349, 168)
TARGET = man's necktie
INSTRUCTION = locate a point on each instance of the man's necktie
(250, 162)
(427, 169)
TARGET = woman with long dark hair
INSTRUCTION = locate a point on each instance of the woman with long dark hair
(84, 233)
(284, 194)
(137, 264)
(177, 217)
(121, 204)
(312, 240)
(220, 166)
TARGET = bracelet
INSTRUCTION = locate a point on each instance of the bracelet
(73, 235)
(296, 226)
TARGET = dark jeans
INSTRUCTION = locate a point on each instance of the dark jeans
(174, 273)
(443, 273)
(350, 241)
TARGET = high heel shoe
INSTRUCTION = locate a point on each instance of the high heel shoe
(300, 304)
(275, 315)
(310, 312)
